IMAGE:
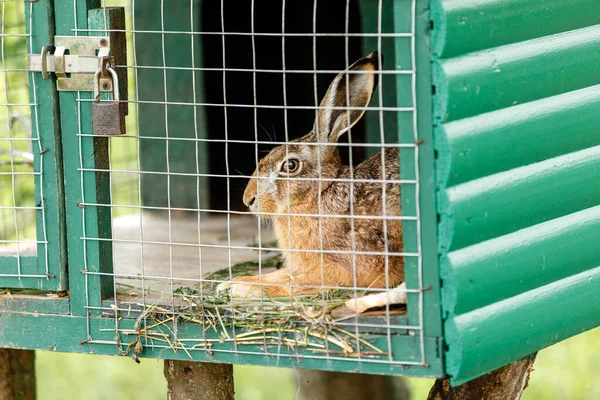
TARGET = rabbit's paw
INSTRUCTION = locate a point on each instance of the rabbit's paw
(240, 289)
(223, 286)
(245, 290)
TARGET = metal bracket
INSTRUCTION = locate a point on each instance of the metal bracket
(74, 60)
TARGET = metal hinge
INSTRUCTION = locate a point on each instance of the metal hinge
(74, 60)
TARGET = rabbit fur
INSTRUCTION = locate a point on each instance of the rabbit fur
(309, 173)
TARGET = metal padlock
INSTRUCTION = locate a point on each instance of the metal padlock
(108, 117)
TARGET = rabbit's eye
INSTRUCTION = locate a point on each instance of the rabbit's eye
(290, 166)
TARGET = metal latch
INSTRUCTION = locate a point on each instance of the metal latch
(74, 60)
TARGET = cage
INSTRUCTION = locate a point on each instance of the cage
(141, 243)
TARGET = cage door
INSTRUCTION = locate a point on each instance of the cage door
(32, 224)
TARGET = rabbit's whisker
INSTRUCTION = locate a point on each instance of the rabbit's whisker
(274, 133)
(266, 131)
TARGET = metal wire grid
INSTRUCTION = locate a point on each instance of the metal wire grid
(20, 174)
(203, 212)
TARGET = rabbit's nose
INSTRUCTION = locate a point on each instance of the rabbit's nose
(249, 201)
(250, 193)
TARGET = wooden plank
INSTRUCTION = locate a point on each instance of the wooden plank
(76, 119)
(468, 26)
(503, 203)
(370, 18)
(183, 120)
(525, 71)
(423, 274)
(69, 334)
(29, 264)
(42, 303)
(110, 21)
(45, 121)
(396, 91)
(99, 19)
(500, 268)
(494, 142)
(144, 247)
(490, 337)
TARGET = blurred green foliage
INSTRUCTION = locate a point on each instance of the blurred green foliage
(566, 371)
(15, 190)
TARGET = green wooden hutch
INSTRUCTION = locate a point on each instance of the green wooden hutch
(495, 105)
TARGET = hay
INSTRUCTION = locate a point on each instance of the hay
(302, 322)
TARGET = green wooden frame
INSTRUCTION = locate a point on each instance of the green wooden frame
(398, 127)
(45, 270)
(515, 106)
(89, 153)
(75, 323)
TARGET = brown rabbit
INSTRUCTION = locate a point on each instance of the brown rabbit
(293, 179)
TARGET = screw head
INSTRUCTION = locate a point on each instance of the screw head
(105, 86)
(103, 42)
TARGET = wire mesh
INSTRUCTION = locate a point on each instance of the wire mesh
(20, 166)
(209, 94)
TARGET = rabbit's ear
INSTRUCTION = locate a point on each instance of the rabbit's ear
(352, 88)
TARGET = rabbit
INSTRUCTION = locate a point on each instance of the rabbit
(309, 266)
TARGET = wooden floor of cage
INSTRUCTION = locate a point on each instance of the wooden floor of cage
(166, 270)
(178, 281)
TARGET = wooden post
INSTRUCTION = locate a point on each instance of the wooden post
(17, 374)
(326, 385)
(188, 380)
(506, 383)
